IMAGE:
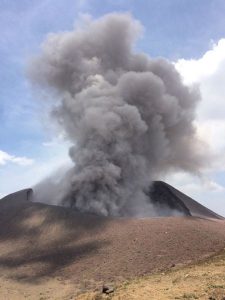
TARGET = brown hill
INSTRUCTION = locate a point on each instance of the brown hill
(39, 240)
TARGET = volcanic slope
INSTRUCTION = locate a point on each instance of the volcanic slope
(40, 241)
(165, 195)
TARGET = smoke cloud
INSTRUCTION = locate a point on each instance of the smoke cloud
(129, 117)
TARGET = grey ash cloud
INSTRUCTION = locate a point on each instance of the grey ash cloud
(129, 117)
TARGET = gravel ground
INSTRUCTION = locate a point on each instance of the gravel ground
(39, 241)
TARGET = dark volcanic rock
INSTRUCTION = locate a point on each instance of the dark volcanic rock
(165, 195)
(107, 289)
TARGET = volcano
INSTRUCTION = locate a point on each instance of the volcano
(161, 194)
(39, 242)
(164, 194)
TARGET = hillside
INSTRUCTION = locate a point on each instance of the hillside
(42, 244)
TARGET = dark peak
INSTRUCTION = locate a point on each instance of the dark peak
(164, 194)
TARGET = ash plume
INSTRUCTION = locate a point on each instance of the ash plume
(129, 117)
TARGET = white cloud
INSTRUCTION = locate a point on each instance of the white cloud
(19, 160)
(212, 130)
(196, 70)
(208, 72)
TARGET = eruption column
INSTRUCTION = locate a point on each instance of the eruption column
(129, 117)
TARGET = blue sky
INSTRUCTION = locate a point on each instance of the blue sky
(183, 31)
